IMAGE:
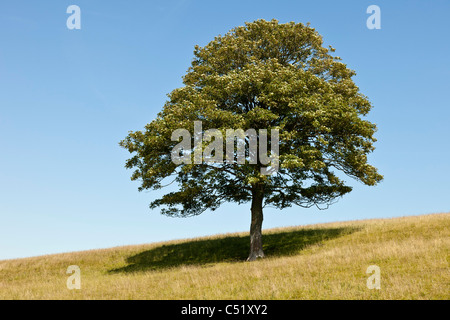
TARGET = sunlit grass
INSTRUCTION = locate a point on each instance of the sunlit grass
(327, 261)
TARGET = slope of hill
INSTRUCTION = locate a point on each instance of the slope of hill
(327, 261)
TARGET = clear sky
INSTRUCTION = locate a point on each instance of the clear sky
(67, 97)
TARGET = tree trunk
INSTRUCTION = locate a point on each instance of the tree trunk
(256, 250)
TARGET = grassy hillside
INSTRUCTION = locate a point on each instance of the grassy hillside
(327, 261)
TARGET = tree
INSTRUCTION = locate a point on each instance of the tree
(264, 75)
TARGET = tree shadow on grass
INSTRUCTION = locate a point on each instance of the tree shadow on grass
(229, 249)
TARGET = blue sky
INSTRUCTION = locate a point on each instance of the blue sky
(67, 97)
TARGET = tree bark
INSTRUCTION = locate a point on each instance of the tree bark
(256, 249)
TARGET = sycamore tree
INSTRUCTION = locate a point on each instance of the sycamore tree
(261, 78)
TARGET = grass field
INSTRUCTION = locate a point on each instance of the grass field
(326, 261)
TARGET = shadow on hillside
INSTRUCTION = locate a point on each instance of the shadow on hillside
(229, 249)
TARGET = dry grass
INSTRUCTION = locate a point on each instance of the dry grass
(327, 261)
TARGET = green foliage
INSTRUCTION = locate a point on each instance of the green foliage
(264, 75)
